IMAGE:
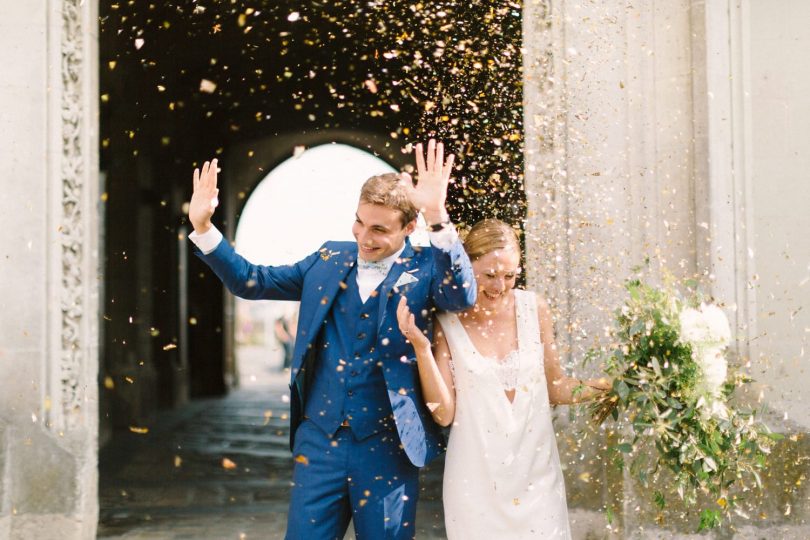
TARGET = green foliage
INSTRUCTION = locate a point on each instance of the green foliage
(709, 519)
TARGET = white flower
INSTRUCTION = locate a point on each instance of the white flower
(714, 367)
(712, 408)
(706, 326)
(707, 332)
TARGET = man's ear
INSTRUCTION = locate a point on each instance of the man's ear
(410, 227)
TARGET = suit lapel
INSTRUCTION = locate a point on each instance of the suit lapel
(334, 273)
(402, 264)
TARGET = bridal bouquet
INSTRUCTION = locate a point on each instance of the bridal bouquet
(672, 387)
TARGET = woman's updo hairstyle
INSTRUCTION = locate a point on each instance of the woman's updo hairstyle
(489, 235)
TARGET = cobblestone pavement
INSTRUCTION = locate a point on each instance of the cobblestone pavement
(216, 469)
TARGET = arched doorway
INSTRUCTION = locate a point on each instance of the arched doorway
(307, 199)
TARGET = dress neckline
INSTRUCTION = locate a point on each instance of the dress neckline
(515, 351)
(500, 367)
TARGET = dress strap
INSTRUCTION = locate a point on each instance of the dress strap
(529, 338)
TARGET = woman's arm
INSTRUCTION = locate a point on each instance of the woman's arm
(562, 390)
(435, 376)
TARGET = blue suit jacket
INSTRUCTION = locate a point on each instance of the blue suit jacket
(443, 280)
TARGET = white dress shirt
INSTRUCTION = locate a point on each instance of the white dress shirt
(369, 275)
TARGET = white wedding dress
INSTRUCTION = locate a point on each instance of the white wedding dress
(502, 476)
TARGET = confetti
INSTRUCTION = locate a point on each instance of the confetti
(207, 86)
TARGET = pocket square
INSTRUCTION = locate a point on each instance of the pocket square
(404, 279)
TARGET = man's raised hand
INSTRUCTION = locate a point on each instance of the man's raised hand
(204, 198)
(433, 176)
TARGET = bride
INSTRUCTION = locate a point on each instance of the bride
(493, 372)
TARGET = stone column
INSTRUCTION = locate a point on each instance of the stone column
(609, 154)
(49, 290)
(610, 185)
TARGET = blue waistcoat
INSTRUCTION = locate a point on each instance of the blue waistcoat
(348, 383)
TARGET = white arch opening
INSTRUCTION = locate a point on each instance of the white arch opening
(306, 200)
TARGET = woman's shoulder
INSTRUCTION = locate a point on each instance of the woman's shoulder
(446, 318)
(532, 296)
(529, 297)
(523, 293)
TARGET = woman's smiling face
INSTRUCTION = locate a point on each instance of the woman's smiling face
(495, 275)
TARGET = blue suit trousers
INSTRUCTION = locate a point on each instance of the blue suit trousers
(337, 478)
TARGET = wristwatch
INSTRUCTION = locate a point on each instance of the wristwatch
(436, 227)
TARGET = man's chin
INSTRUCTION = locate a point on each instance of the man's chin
(373, 255)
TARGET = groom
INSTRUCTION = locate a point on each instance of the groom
(359, 428)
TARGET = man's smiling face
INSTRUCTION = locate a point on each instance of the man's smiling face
(379, 231)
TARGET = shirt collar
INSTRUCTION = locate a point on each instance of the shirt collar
(382, 266)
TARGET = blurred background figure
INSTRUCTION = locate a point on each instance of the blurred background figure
(284, 329)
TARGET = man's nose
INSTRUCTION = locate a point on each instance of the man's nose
(362, 237)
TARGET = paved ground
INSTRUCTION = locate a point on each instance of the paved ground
(221, 469)
(216, 469)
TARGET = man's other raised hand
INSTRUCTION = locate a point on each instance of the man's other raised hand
(204, 198)
(433, 176)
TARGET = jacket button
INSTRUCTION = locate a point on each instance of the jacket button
(361, 335)
(350, 392)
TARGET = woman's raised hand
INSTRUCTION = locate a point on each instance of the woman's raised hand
(407, 325)
(204, 198)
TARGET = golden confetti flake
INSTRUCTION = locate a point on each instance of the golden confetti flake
(302, 459)
(207, 86)
(585, 477)
(228, 465)
(178, 462)
(139, 430)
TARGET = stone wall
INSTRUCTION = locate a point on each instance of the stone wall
(48, 318)
(777, 113)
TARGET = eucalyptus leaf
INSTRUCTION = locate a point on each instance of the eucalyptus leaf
(621, 389)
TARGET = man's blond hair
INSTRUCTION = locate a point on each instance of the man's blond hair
(389, 191)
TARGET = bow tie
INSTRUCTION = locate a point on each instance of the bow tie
(376, 266)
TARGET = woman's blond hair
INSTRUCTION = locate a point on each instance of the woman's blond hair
(387, 190)
(489, 235)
